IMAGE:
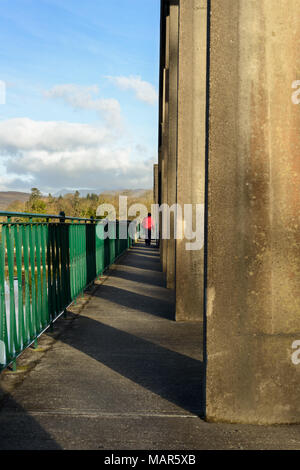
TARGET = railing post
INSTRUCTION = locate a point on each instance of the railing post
(62, 216)
(63, 221)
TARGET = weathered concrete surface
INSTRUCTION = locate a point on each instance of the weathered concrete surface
(123, 375)
(191, 151)
(172, 138)
(253, 301)
(155, 183)
(164, 117)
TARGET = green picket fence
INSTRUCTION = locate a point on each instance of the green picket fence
(46, 261)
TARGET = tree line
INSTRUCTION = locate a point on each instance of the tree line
(74, 205)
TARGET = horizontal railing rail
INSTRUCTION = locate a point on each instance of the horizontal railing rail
(44, 266)
(44, 216)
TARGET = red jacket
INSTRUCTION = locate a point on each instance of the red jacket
(148, 223)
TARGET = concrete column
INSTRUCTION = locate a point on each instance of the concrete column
(155, 183)
(172, 136)
(155, 193)
(191, 150)
(165, 179)
(165, 122)
(253, 285)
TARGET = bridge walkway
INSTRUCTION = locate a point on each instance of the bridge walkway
(120, 373)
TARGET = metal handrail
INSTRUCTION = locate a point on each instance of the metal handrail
(44, 216)
(45, 266)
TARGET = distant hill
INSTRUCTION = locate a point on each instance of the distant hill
(136, 193)
(8, 197)
(82, 192)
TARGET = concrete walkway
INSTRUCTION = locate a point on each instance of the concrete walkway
(119, 373)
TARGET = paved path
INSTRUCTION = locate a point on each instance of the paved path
(121, 374)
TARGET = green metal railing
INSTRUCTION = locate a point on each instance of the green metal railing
(46, 262)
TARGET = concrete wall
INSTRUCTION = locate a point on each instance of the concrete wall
(247, 159)
(253, 284)
(172, 137)
(191, 150)
(155, 183)
(182, 142)
(164, 119)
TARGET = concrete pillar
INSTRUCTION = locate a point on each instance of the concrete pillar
(253, 246)
(172, 136)
(164, 121)
(155, 195)
(165, 179)
(191, 150)
(155, 183)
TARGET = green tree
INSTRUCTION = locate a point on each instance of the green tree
(36, 203)
(76, 204)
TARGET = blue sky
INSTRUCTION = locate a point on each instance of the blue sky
(81, 93)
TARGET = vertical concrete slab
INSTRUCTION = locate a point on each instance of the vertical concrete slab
(253, 285)
(172, 136)
(165, 122)
(155, 197)
(165, 179)
(191, 151)
(155, 183)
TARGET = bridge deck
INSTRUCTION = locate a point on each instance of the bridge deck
(121, 375)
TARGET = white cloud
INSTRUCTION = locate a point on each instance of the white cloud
(24, 134)
(83, 98)
(144, 91)
(53, 155)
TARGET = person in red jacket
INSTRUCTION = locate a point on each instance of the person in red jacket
(148, 225)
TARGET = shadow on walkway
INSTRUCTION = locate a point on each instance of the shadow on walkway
(141, 277)
(122, 363)
(22, 431)
(134, 301)
(172, 376)
(144, 258)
